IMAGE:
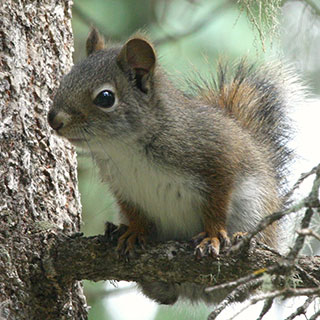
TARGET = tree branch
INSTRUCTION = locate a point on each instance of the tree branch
(238, 272)
(95, 258)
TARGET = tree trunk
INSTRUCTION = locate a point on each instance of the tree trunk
(38, 179)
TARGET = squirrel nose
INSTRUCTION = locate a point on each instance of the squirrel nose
(55, 119)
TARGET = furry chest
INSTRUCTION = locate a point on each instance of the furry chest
(167, 199)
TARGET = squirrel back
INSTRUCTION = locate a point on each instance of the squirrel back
(259, 98)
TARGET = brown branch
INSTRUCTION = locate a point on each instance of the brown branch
(95, 258)
(241, 270)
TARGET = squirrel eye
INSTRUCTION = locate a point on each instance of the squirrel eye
(105, 99)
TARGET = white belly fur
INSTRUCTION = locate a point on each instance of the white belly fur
(246, 206)
(167, 199)
(170, 200)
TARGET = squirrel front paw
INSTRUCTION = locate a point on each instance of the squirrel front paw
(210, 244)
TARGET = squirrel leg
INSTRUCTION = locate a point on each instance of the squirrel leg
(215, 237)
(136, 232)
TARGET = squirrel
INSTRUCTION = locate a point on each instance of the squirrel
(198, 165)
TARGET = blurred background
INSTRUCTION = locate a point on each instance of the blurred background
(190, 35)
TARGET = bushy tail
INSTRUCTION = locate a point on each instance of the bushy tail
(258, 98)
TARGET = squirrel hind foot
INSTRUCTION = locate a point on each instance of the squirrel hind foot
(211, 245)
(112, 232)
(129, 239)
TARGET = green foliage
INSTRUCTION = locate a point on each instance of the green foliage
(263, 15)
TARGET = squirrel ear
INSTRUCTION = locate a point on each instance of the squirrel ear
(139, 55)
(94, 42)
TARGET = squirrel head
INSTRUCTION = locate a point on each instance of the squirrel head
(108, 94)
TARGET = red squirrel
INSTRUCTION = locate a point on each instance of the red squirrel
(202, 164)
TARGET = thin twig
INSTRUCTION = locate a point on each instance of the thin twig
(303, 177)
(288, 292)
(266, 307)
(315, 316)
(307, 275)
(233, 296)
(236, 283)
(299, 242)
(302, 309)
(309, 232)
(311, 201)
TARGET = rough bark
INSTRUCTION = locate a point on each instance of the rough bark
(95, 258)
(38, 180)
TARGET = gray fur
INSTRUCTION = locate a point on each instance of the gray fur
(168, 153)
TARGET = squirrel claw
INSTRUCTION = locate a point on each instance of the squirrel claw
(111, 230)
(210, 246)
(196, 240)
(128, 241)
